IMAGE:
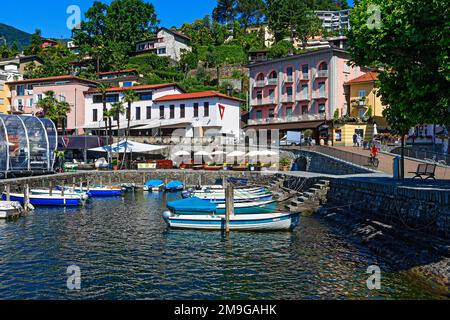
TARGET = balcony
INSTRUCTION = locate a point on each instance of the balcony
(322, 74)
(272, 82)
(260, 84)
(288, 119)
(289, 79)
(303, 97)
(304, 77)
(319, 95)
(287, 99)
(263, 102)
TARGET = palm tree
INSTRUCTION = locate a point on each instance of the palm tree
(116, 110)
(130, 96)
(103, 89)
(55, 110)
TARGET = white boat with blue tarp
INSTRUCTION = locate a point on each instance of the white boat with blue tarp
(252, 222)
(174, 186)
(67, 192)
(47, 200)
(197, 206)
(154, 186)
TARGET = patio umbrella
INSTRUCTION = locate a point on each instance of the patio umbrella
(236, 154)
(202, 154)
(217, 153)
(375, 130)
(182, 153)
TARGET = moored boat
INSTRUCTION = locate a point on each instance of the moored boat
(154, 186)
(10, 209)
(258, 222)
(67, 192)
(47, 200)
(99, 192)
(196, 206)
(174, 186)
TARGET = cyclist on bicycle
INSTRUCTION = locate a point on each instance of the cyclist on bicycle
(374, 151)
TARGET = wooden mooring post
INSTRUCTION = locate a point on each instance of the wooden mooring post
(26, 197)
(8, 192)
(229, 200)
(50, 186)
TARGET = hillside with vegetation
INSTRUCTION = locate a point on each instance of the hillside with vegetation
(14, 38)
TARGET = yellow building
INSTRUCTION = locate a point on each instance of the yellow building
(363, 104)
(9, 71)
(363, 97)
(5, 95)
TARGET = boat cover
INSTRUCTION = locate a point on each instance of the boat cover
(192, 204)
(154, 183)
(175, 185)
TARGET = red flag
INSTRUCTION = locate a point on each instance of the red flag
(222, 111)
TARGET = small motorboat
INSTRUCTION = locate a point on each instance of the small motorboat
(154, 186)
(47, 200)
(98, 192)
(67, 192)
(10, 209)
(252, 222)
(128, 186)
(196, 206)
(174, 186)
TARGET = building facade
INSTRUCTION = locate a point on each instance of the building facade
(168, 43)
(26, 94)
(363, 97)
(335, 21)
(121, 78)
(8, 72)
(300, 92)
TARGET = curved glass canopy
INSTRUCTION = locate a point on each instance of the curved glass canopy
(27, 143)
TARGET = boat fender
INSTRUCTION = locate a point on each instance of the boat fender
(167, 215)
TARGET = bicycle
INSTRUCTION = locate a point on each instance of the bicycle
(374, 162)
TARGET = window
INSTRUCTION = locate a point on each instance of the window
(305, 91)
(305, 70)
(206, 113)
(2, 87)
(338, 135)
(289, 72)
(112, 98)
(162, 51)
(29, 87)
(30, 102)
(259, 115)
(19, 102)
(289, 91)
(97, 98)
(161, 112)
(322, 89)
(149, 113)
(195, 110)
(182, 111)
(289, 112)
(271, 113)
(304, 109)
(39, 97)
(62, 97)
(146, 96)
(2, 101)
(362, 93)
(272, 94)
(172, 112)
(322, 108)
(259, 95)
(138, 113)
(94, 115)
(20, 89)
(128, 84)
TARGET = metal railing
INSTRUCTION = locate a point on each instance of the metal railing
(298, 118)
(351, 157)
(423, 154)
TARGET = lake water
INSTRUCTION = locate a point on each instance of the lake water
(125, 251)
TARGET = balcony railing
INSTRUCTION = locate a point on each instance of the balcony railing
(322, 74)
(260, 84)
(289, 79)
(298, 118)
(319, 95)
(261, 102)
(288, 99)
(272, 82)
(303, 97)
(304, 76)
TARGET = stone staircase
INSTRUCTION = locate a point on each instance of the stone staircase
(311, 199)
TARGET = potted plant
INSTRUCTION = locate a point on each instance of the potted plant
(284, 163)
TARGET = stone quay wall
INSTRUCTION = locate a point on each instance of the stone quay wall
(414, 208)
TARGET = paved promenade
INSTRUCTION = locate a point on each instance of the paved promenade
(386, 161)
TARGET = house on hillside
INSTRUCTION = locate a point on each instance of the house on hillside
(120, 78)
(168, 43)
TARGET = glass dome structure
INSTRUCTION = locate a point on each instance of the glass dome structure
(27, 143)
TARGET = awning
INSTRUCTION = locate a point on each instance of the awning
(303, 125)
(129, 147)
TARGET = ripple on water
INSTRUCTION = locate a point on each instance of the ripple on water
(125, 251)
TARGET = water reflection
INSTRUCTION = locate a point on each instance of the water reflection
(125, 251)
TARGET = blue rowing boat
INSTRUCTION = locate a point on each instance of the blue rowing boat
(196, 206)
(98, 192)
(47, 200)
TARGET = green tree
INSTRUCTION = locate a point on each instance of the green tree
(103, 89)
(55, 110)
(130, 96)
(281, 49)
(250, 11)
(35, 43)
(110, 32)
(410, 41)
(117, 109)
(299, 26)
(225, 11)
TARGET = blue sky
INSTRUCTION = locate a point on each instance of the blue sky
(50, 16)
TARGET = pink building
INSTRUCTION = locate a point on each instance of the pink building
(27, 93)
(299, 92)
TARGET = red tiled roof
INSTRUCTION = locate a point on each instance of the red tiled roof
(56, 78)
(142, 87)
(196, 95)
(119, 71)
(367, 77)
